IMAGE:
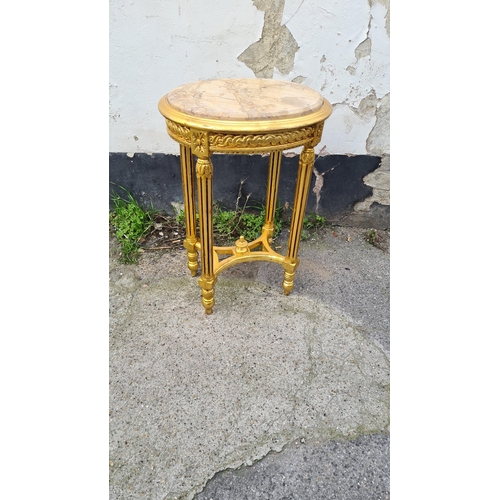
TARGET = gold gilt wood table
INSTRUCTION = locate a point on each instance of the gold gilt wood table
(243, 116)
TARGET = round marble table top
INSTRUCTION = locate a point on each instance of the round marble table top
(244, 99)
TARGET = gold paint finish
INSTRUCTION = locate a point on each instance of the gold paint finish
(272, 191)
(202, 136)
(187, 173)
(241, 246)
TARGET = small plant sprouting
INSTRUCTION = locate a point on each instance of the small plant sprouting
(234, 223)
(312, 222)
(242, 221)
(372, 237)
(133, 225)
(230, 224)
(180, 217)
(130, 222)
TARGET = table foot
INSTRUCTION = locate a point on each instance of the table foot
(192, 255)
(288, 282)
(207, 292)
(290, 268)
(306, 162)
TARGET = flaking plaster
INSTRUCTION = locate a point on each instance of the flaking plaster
(379, 180)
(276, 48)
(378, 140)
(341, 50)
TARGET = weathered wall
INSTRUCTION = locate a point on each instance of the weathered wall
(339, 48)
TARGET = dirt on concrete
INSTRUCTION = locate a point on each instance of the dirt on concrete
(193, 395)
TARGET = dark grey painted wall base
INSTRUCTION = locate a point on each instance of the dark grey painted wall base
(155, 179)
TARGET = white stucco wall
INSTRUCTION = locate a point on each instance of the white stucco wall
(343, 53)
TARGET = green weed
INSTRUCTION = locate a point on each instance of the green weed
(130, 222)
(372, 237)
(180, 217)
(231, 224)
(245, 222)
(312, 223)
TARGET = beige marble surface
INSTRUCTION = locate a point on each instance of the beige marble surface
(245, 99)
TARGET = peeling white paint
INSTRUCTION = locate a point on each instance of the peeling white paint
(318, 184)
(379, 180)
(378, 140)
(364, 49)
(156, 46)
(347, 131)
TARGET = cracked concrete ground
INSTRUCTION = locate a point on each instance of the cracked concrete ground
(270, 396)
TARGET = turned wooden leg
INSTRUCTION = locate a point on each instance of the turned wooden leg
(187, 172)
(291, 262)
(204, 175)
(272, 192)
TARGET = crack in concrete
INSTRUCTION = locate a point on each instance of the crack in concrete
(314, 352)
(285, 400)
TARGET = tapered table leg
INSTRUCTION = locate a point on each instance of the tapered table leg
(291, 262)
(204, 175)
(187, 172)
(272, 191)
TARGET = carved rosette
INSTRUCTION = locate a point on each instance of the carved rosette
(199, 143)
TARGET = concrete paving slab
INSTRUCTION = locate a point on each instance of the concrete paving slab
(192, 395)
(340, 469)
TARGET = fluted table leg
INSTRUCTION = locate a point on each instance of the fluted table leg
(187, 172)
(291, 262)
(204, 175)
(272, 191)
